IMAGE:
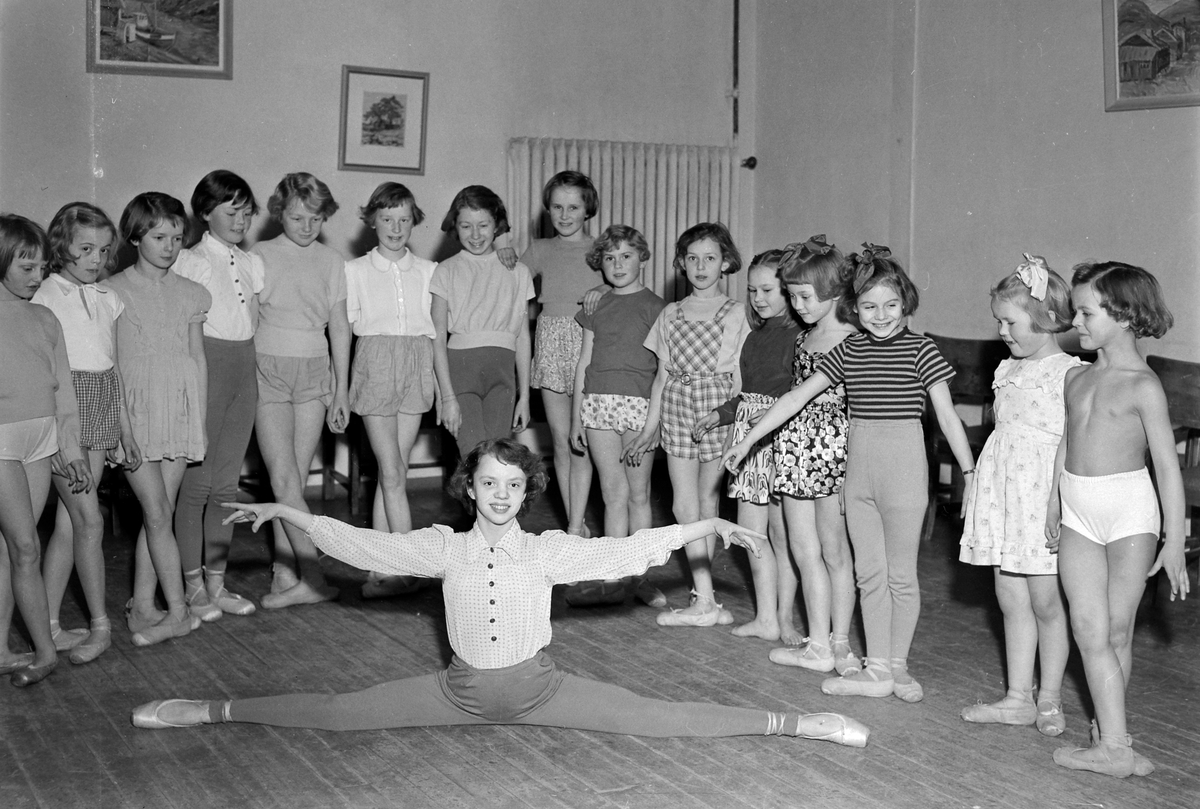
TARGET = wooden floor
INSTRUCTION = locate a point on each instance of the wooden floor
(68, 742)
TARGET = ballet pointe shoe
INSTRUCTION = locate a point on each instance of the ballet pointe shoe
(905, 687)
(166, 629)
(649, 595)
(834, 728)
(18, 661)
(874, 681)
(811, 656)
(1108, 757)
(66, 639)
(282, 578)
(1016, 708)
(99, 639)
(200, 605)
(189, 713)
(845, 661)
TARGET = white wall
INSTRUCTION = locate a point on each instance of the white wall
(1010, 149)
(620, 69)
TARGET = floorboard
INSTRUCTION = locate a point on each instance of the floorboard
(68, 741)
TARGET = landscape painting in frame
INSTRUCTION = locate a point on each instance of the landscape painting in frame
(188, 38)
(383, 120)
(1151, 53)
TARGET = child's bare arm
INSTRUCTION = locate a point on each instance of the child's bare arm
(788, 405)
(956, 436)
(196, 349)
(448, 413)
(338, 415)
(132, 452)
(524, 359)
(1053, 503)
(649, 435)
(578, 435)
(1160, 439)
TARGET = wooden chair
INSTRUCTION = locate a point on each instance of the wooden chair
(1181, 382)
(974, 363)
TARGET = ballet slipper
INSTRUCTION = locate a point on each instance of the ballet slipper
(67, 639)
(188, 713)
(650, 595)
(845, 661)
(1109, 756)
(301, 593)
(1016, 708)
(31, 674)
(232, 603)
(906, 688)
(138, 622)
(99, 639)
(703, 611)
(18, 661)
(1142, 766)
(874, 681)
(200, 605)
(811, 656)
(166, 629)
(282, 578)
(835, 728)
(1050, 719)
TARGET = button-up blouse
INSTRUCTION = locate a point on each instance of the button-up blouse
(390, 297)
(497, 597)
(233, 277)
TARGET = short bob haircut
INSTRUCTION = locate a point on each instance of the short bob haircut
(870, 271)
(61, 233)
(825, 271)
(1129, 294)
(1049, 316)
(611, 239)
(708, 230)
(477, 198)
(573, 179)
(390, 195)
(769, 259)
(219, 187)
(507, 451)
(312, 193)
(149, 210)
(20, 238)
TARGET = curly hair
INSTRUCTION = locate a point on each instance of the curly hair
(1129, 294)
(312, 193)
(611, 239)
(506, 451)
(71, 217)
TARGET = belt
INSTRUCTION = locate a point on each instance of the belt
(687, 376)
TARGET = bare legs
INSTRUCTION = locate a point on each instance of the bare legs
(696, 497)
(392, 439)
(625, 488)
(76, 543)
(23, 491)
(288, 435)
(1104, 584)
(156, 560)
(774, 578)
(572, 468)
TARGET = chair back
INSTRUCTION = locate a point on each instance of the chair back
(974, 363)
(1180, 380)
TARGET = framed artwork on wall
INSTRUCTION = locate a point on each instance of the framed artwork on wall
(384, 113)
(1151, 54)
(187, 38)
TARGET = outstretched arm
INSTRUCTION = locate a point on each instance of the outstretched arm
(788, 405)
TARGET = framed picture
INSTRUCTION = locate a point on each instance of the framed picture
(383, 120)
(161, 37)
(1151, 54)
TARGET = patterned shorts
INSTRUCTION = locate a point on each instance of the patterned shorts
(392, 375)
(99, 398)
(685, 403)
(610, 411)
(556, 353)
(756, 476)
(810, 452)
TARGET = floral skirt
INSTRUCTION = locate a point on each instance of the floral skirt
(810, 452)
(557, 342)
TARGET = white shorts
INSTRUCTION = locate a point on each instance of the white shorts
(1109, 507)
(30, 440)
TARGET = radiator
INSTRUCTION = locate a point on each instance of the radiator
(660, 189)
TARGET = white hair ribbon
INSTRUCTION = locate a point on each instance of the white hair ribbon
(1034, 274)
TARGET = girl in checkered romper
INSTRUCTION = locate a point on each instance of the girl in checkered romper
(698, 342)
(82, 247)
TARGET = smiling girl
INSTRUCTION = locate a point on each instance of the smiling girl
(888, 372)
(497, 584)
(480, 311)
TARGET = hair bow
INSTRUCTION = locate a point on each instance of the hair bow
(802, 251)
(864, 263)
(1034, 274)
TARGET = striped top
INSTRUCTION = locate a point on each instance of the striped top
(886, 379)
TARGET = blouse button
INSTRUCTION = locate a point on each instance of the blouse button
(492, 621)
(492, 601)
(491, 584)
(493, 638)
(490, 566)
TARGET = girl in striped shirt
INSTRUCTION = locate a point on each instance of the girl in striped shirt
(887, 370)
